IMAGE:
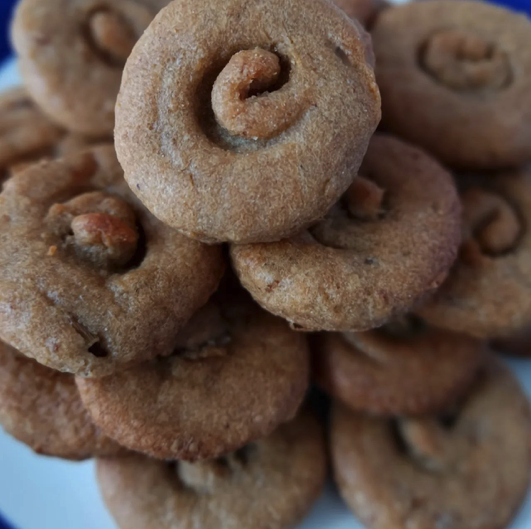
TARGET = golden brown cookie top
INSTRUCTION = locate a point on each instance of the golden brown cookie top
(427, 473)
(488, 291)
(236, 374)
(90, 280)
(455, 78)
(41, 407)
(389, 241)
(403, 368)
(72, 53)
(270, 483)
(251, 122)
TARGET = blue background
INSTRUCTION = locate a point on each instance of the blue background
(6, 7)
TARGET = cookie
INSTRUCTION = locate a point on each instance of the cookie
(420, 473)
(269, 484)
(488, 292)
(364, 11)
(72, 52)
(389, 241)
(403, 368)
(455, 78)
(41, 407)
(245, 121)
(27, 135)
(236, 374)
(518, 344)
(90, 280)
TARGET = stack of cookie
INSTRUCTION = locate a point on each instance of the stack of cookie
(169, 290)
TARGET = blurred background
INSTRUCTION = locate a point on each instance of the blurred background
(6, 7)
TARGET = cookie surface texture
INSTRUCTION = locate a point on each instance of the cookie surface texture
(245, 121)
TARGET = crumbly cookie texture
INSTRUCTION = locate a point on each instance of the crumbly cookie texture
(425, 472)
(269, 484)
(90, 280)
(388, 243)
(245, 121)
(41, 407)
(488, 291)
(455, 78)
(235, 375)
(403, 368)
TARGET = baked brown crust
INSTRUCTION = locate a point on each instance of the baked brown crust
(383, 372)
(270, 484)
(488, 291)
(41, 408)
(390, 241)
(433, 480)
(289, 152)
(67, 297)
(72, 52)
(455, 79)
(237, 373)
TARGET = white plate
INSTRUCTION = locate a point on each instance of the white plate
(37, 492)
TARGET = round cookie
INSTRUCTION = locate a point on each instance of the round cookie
(72, 53)
(455, 78)
(399, 369)
(245, 121)
(388, 242)
(41, 407)
(27, 135)
(488, 292)
(269, 484)
(236, 374)
(420, 473)
(364, 11)
(90, 280)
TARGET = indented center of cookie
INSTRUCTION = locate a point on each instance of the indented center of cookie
(205, 476)
(425, 441)
(206, 335)
(364, 199)
(111, 36)
(99, 227)
(491, 224)
(464, 61)
(246, 97)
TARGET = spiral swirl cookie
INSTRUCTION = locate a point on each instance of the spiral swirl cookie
(488, 292)
(236, 374)
(420, 473)
(27, 135)
(269, 484)
(90, 280)
(455, 78)
(245, 121)
(389, 241)
(41, 407)
(403, 368)
(72, 53)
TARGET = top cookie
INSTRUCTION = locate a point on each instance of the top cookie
(455, 78)
(72, 53)
(245, 121)
(90, 280)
